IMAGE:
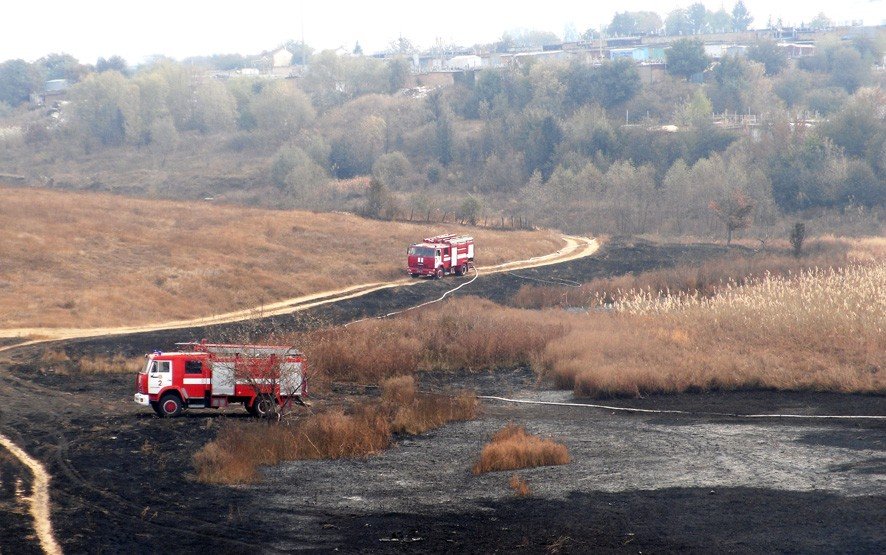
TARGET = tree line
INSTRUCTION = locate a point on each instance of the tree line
(567, 144)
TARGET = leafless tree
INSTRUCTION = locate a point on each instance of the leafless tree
(734, 212)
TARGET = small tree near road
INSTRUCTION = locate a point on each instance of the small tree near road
(257, 353)
(469, 211)
(735, 212)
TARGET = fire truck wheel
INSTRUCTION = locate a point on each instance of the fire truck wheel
(170, 406)
(463, 269)
(264, 406)
(414, 275)
(439, 273)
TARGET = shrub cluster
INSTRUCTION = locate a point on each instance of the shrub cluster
(366, 428)
(513, 447)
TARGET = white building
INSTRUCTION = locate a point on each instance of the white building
(281, 58)
(463, 62)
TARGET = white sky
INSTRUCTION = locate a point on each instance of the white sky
(88, 29)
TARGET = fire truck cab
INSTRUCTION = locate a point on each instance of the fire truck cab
(441, 255)
(204, 375)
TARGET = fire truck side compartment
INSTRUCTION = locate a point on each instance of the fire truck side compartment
(223, 378)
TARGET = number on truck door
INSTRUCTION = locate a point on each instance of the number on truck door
(160, 375)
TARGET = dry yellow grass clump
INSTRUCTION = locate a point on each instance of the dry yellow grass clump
(238, 450)
(414, 413)
(463, 333)
(819, 330)
(88, 259)
(59, 361)
(513, 447)
(519, 485)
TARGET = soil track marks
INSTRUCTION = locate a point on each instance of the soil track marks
(39, 499)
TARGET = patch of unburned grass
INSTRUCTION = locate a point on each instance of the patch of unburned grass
(463, 333)
(112, 364)
(519, 485)
(818, 330)
(60, 361)
(822, 330)
(415, 413)
(707, 278)
(239, 449)
(513, 448)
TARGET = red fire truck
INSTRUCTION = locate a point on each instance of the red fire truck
(441, 255)
(207, 375)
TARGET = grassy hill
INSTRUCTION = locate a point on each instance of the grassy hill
(90, 259)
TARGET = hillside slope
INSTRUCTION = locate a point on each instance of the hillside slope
(87, 259)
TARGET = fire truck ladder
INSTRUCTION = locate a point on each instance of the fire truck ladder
(440, 238)
(233, 349)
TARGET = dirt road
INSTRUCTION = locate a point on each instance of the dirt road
(574, 248)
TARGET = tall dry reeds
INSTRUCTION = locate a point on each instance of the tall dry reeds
(463, 333)
(819, 330)
(816, 330)
(704, 279)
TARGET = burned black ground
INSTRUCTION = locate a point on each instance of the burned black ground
(123, 479)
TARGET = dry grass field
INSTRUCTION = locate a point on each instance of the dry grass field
(727, 329)
(87, 259)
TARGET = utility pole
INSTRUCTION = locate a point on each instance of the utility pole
(303, 35)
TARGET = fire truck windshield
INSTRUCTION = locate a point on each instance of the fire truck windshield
(421, 251)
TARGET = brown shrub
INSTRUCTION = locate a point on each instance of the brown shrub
(512, 448)
(463, 333)
(415, 414)
(364, 352)
(519, 485)
(398, 390)
(237, 451)
(337, 435)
